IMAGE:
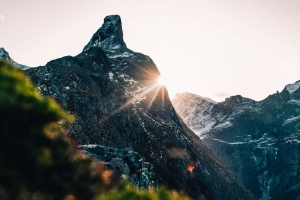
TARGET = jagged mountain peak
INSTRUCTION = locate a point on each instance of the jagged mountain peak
(4, 55)
(109, 36)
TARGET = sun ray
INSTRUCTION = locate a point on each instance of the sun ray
(130, 101)
(158, 86)
(163, 95)
(154, 96)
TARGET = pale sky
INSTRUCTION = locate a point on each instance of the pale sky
(213, 48)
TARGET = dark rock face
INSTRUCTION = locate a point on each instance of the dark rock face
(125, 163)
(5, 56)
(260, 141)
(109, 36)
(113, 93)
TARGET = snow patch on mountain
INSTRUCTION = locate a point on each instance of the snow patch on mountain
(291, 120)
(295, 102)
(123, 54)
(224, 125)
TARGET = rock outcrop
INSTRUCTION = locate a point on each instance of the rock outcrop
(124, 164)
(260, 141)
(5, 56)
(113, 93)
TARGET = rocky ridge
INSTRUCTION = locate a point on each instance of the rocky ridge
(4, 55)
(260, 141)
(113, 93)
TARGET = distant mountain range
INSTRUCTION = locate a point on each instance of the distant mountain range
(113, 93)
(259, 141)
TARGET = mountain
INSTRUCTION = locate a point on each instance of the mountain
(259, 141)
(5, 56)
(117, 102)
(195, 111)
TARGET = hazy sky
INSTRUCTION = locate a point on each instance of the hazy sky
(214, 48)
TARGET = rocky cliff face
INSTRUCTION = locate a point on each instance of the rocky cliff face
(260, 141)
(5, 56)
(123, 163)
(113, 93)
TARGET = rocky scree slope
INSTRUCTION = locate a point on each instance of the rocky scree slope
(259, 141)
(113, 93)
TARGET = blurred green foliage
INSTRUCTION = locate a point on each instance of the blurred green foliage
(37, 160)
(125, 192)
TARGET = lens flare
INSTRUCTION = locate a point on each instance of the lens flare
(190, 168)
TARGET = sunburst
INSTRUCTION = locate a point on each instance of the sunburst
(155, 89)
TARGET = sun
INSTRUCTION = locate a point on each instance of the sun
(171, 83)
(161, 81)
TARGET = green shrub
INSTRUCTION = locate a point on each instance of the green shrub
(36, 158)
